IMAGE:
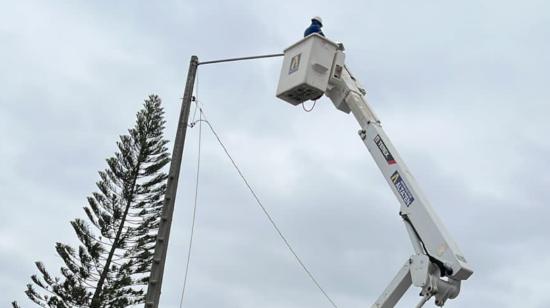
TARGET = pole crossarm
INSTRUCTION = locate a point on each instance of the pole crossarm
(242, 58)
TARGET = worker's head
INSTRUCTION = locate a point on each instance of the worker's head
(317, 19)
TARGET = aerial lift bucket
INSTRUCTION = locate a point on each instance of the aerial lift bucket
(306, 69)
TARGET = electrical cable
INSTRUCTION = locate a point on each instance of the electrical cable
(194, 207)
(265, 211)
(202, 118)
(310, 109)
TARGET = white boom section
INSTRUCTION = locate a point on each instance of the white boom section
(316, 65)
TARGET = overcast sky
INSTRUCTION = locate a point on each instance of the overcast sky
(461, 88)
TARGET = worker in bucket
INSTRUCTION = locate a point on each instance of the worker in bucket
(315, 27)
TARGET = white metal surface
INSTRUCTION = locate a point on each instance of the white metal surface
(415, 208)
(306, 69)
(438, 266)
(395, 290)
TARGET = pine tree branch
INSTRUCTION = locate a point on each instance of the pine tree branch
(113, 263)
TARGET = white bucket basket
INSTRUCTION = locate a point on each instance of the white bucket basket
(306, 69)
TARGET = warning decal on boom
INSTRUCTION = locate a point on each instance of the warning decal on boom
(402, 188)
(382, 147)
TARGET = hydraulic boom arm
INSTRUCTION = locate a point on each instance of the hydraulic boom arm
(315, 66)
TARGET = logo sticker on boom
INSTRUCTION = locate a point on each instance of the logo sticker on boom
(402, 188)
(382, 147)
(294, 63)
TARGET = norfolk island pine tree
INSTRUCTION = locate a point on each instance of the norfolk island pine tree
(111, 265)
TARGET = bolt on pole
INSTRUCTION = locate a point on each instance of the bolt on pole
(161, 247)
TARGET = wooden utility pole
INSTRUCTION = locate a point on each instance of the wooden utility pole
(159, 259)
(161, 247)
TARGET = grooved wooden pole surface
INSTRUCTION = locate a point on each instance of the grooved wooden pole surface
(161, 247)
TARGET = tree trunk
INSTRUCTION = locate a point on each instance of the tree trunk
(98, 294)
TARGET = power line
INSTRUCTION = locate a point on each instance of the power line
(265, 211)
(197, 106)
(194, 210)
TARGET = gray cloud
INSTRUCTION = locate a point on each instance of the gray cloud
(460, 88)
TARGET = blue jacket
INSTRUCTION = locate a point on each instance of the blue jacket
(315, 27)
